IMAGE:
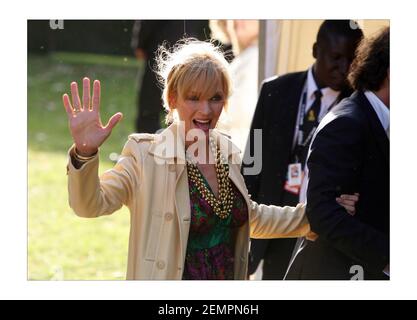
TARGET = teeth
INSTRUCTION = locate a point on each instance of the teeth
(202, 121)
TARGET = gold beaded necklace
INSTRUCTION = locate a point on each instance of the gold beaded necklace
(223, 205)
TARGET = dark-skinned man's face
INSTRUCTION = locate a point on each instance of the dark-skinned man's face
(334, 54)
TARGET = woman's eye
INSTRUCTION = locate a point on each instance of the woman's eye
(193, 98)
(217, 98)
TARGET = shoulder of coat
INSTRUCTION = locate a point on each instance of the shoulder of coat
(223, 133)
(138, 137)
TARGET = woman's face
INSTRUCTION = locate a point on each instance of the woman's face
(199, 111)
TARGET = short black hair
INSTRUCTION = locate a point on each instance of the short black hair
(370, 66)
(345, 28)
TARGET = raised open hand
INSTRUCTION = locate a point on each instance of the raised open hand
(84, 120)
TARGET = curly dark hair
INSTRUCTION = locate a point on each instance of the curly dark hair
(371, 63)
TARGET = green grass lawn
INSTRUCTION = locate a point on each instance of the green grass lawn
(62, 245)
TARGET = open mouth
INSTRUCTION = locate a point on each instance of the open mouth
(202, 124)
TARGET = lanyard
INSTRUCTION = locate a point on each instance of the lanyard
(300, 135)
(302, 110)
(301, 142)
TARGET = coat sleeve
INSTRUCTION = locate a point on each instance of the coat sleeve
(277, 222)
(93, 196)
(334, 168)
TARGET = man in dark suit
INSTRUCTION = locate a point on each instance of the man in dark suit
(289, 109)
(350, 153)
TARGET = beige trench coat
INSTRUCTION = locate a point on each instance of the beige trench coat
(150, 178)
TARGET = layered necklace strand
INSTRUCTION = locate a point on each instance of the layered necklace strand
(223, 205)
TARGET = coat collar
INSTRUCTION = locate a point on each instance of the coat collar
(170, 144)
(377, 128)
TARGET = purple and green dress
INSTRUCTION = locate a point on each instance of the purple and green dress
(209, 253)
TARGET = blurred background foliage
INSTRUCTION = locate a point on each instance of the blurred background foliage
(60, 244)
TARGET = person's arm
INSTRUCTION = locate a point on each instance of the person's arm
(334, 166)
(93, 196)
(267, 222)
(88, 195)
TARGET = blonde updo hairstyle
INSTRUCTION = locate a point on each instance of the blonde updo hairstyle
(191, 65)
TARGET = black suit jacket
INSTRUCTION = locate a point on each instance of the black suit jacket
(276, 114)
(350, 153)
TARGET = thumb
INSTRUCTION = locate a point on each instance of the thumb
(113, 121)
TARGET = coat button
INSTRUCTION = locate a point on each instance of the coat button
(168, 216)
(160, 264)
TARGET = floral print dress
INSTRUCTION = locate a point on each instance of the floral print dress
(209, 249)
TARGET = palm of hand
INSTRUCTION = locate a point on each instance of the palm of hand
(87, 130)
(84, 120)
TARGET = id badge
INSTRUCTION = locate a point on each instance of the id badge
(294, 178)
(295, 175)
